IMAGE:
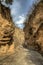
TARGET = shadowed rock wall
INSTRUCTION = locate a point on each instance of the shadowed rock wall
(33, 25)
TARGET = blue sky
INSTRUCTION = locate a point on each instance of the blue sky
(19, 10)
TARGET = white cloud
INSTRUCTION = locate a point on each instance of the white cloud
(21, 20)
(20, 26)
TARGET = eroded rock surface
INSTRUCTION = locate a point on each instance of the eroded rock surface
(12, 38)
(34, 28)
(10, 35)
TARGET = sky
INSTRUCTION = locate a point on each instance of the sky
(19, 10)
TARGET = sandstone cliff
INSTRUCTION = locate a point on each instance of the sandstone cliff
(12, 38)
(34, 28)
(10, 35)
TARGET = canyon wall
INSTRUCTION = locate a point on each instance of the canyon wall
(34, 28)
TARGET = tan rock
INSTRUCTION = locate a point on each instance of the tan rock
(32, 27)
(10, 35)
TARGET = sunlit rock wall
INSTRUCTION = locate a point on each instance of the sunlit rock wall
(10, 35)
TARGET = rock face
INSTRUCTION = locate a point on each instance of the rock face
(12, 38)
(34, 28)
(10, 35)
(6, 29)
